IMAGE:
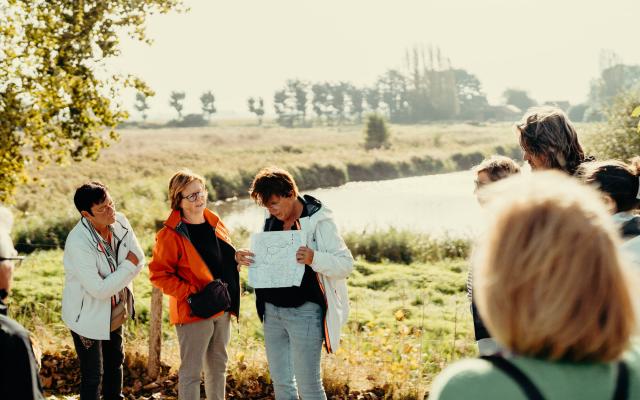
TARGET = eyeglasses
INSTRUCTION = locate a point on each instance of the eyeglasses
(111, 204)
(17, 260)
(195, 196)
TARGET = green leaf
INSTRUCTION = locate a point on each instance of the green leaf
(636, 112)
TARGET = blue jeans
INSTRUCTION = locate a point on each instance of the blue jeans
(293, 339)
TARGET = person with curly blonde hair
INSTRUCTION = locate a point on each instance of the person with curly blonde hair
(555, 293)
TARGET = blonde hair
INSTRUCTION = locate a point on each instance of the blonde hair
(497, 167)
(550, 282)
(178, 182)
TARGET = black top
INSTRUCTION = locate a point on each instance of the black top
(219, 257)
(18, 369)
(293, 296)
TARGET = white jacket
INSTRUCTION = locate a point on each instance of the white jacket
(333, 262)
(89, 282)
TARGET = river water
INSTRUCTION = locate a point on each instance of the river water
(435, 204)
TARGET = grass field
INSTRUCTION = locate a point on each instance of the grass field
(407, 321)
(410, 316)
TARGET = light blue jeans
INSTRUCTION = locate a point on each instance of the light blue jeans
(293, 339)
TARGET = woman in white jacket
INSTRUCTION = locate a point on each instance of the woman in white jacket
(298, 319)
(101, 258)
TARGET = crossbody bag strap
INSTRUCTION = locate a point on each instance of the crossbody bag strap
(526, 385)
(622, 383)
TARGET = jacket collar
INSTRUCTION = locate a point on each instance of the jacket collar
(175, 218)
(118, 229)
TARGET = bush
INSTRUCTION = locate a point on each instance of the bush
(189, 121)
(468, 160)
(619, 138)
(426, 165)
(359, 172)
(223, 186)
(405, 247)
(376, 134)
(576, 113)
(46, 235)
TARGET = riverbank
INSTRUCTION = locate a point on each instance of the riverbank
(137, 168)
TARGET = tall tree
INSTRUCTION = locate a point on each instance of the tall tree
(372, 98)
(356, 96)
(393, 87)
(299, 90)
(282, 104)
(53, 105)
(257, 109)
(319, 103)
(473, 101)
(141, 105)
(176, 100)
(207, 101)
(613, 81)
(338, 93)
(519, 98)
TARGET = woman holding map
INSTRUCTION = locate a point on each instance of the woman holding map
(297, 319)
(193, 263)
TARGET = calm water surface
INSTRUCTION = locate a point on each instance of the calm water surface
(435, 204)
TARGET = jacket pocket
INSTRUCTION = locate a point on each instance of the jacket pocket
(80, 312)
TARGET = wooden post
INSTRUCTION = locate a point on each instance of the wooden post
(155, 333)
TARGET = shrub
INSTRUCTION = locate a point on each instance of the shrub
(222, 185)
(576, 113)
(619, 138)
(48, 234)
(384, 170)
(405, 247)
(376, 134)
(359, 172)
(189, 121)
(426, 165)
(468, 160)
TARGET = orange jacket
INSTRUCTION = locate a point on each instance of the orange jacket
(178, 269)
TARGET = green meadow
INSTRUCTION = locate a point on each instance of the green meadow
(409, 311)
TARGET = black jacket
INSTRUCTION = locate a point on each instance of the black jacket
(19, 378)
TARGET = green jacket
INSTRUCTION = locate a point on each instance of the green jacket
(478, 379)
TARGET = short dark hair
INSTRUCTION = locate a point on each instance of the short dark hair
(88, 195)
(272, 181)
(616, 179)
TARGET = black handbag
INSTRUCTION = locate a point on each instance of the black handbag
(211, 300)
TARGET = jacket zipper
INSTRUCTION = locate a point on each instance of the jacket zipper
(327, 341)
(80, 312)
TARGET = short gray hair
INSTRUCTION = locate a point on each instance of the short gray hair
(6, 223)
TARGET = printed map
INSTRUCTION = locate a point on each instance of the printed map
(275, 262)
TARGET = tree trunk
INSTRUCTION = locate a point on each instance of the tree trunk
(155, 333)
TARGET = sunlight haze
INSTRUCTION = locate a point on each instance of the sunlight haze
(249, 48)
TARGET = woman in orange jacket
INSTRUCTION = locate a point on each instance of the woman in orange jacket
(194, 264)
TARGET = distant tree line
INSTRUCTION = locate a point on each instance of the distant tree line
(176, 101)
(428, 88)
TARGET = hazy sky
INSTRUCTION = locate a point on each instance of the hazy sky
(245, 48)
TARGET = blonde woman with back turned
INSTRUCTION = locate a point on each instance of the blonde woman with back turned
(555, 294)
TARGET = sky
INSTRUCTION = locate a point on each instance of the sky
(244, 48)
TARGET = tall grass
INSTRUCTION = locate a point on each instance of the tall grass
(403, 246)
(408, 318)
